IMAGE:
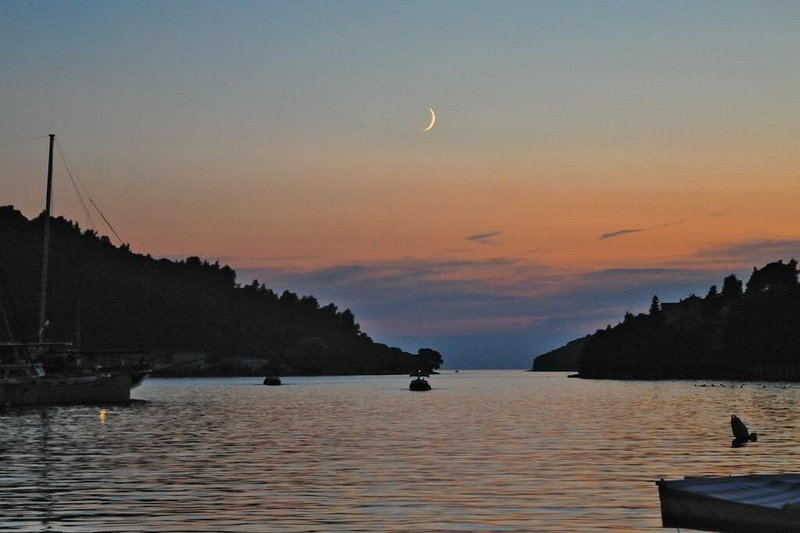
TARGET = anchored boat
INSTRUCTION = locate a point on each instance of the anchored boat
(751, 503)
(55, 373)
(419, 383)
(24, 380)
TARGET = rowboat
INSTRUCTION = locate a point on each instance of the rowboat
(750, 503)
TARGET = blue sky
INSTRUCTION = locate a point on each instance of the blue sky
(285, 138)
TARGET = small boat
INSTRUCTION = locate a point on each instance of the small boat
(750, 503)
(272, 380)
(419, 383)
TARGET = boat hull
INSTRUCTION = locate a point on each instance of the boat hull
(683, 507)
(419, 384)
(62, 390)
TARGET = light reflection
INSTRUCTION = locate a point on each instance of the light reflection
(490, 450)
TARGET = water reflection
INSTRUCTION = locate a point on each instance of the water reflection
(483, 450)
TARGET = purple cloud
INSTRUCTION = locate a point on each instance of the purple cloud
(758, 251)
(502, 308)
(502, 311)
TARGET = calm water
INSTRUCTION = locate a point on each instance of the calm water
(490, 450)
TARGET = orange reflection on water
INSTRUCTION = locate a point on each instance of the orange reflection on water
(489, 450)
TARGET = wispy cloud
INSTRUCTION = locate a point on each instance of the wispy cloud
(534, 250)
(754, 251)
(619, 232)
(239, 259)
(674, 223)
(505, 309)
(485, 238)
(639, 230)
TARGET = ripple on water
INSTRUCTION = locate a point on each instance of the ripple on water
(483, 451)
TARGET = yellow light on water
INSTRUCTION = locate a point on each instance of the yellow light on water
(103, 416)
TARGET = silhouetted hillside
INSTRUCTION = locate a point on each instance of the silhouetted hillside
(732, 333)
(564, 359)
(133, 301)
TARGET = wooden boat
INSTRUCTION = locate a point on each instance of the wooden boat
(750, 503)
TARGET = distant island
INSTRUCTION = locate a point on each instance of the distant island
(191, 316)
(738, 332)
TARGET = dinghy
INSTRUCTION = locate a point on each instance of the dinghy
(752, 503)
(420, 383)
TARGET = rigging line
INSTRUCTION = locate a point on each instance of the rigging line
(107, 222)
(86, 192)
(75, 186)
(68, 163)
(25, 141)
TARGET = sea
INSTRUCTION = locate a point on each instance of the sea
(482, 451)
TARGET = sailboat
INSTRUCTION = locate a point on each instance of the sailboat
(49, 373)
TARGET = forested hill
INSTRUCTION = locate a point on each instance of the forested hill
(735, 332)
(563, 359)
(124, 300)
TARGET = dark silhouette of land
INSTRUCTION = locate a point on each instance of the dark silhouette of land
(735, 333)
(564, 359)
(191, 315)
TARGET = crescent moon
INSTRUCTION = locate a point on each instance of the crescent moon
(433, 120)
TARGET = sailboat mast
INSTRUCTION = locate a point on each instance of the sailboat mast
(46, 252)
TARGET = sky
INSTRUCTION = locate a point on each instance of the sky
(586, 155)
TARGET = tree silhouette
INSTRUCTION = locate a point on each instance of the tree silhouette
(134, 301)
(655, 306)
(712, 293)
(721, 336)
(731, 288)
(429, 358)
(773, 275)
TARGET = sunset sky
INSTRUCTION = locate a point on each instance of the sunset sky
(586, 155)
